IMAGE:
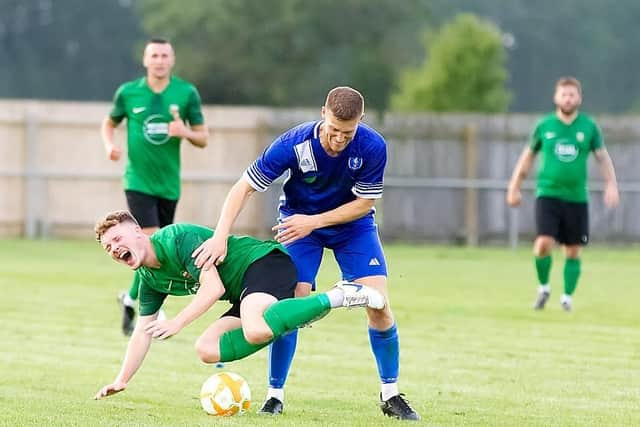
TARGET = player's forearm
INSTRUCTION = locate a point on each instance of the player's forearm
(206, 296)
(345, 213)
(107, 131)
(606, 167)
(198, 136)
(136, 351)
(232, 206)
(521, 169)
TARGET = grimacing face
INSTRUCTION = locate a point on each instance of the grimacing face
(123, 243)
(567, 98)
(337, 133)
(158, 59)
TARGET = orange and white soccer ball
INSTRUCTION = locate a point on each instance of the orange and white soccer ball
(225, 394)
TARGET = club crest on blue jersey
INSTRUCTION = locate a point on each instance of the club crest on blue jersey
(355, 163)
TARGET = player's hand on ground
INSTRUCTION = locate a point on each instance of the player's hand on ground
(110, 389)
(514, 197)
(113, 152)
(294, 227)
(611, 196)
(211, 252)
(162, 329)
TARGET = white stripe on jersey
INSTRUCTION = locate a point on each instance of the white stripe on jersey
(256, 178)
(367, 191)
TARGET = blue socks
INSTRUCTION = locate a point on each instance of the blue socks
(281, 354)
(386, 349)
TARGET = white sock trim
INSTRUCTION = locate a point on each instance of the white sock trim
(278, 393)
(388, 390)
(544, 288)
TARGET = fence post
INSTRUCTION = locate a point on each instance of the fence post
(470, 192)
(33, 181)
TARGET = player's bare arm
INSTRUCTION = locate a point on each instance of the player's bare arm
(107, 132)
(520, 172)
(210, 291)
(298, 226)
(611, 194)
(197, 135)
(214, 250)
(137, 349)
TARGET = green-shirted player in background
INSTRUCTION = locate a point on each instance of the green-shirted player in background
(257, 277)
(564, 140)
(156, 107)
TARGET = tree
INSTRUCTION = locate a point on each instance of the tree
(464, 70)
(287, 52)
(66, 49)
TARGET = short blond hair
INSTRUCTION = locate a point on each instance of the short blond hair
(569, 81)
(111, 219)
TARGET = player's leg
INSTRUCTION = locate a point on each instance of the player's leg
(208, 344)
(361, 259)
(306, 255)
(265, 315)
(575, 234)
(548, 217)
(144, 209)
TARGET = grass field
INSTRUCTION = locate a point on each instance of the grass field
(473, 351)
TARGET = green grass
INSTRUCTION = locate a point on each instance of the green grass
(473, 351)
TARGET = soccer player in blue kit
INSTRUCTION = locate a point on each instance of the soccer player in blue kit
(335, 172)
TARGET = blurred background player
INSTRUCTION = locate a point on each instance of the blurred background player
(156, 107)
(258, 278)
(564, 140)
(336, 167)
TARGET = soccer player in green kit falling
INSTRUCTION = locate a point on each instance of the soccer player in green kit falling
(564, 140)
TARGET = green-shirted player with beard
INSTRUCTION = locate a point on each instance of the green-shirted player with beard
(257, 277)
(156, 108)
(564, 140)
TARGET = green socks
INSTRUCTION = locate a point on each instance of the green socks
(289, 314)
(282, 317)
(571, 275)
(543, 267)
(234, 346)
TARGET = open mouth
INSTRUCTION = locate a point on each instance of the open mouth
(125, 256)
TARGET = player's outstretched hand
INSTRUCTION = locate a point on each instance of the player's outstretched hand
(294, 227)
(211, 252)
(110, 389)
(162, 329)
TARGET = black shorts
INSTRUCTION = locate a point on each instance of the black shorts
(274, 274)
(567, 222)
(150, 211)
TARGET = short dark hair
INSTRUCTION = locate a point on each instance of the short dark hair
(569, 81)
(111, 219)
(345, 103)
(158, 40)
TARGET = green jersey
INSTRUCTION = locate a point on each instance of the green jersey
(153, 163)
(178, 275)
(564, 152)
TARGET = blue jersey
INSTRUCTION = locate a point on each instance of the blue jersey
(318, 182)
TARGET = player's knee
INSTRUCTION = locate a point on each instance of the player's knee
(207, 352)
(257, 335)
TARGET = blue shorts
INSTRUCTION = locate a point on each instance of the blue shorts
(356, 247)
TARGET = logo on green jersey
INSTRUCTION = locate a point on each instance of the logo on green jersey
(566, 152)
(156, 129)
